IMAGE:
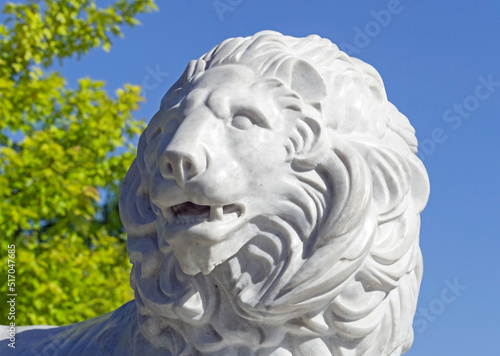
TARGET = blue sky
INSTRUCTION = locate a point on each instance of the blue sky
(440, 61)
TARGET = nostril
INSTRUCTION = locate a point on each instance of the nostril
(166, 169)
(187, 165)
(180, 166)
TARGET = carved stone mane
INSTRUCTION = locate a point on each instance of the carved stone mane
(273, 209)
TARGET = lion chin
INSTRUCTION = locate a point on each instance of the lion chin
(273, 209)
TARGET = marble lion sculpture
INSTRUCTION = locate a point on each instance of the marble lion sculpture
(273, 209)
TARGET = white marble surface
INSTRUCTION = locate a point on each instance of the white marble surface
(273, 209)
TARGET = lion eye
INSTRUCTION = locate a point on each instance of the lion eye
(154, 134)
(242, 122)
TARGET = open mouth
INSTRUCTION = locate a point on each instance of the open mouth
(191, 213)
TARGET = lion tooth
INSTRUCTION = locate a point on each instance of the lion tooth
(169, 215)
(216, 213)
(230, 217)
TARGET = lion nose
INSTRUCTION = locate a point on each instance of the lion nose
(181, 166)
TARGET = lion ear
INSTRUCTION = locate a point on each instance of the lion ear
(308, 82)
(304, 79)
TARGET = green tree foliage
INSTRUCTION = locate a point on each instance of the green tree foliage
(63, 154)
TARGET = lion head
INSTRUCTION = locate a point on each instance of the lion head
(273, 206)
